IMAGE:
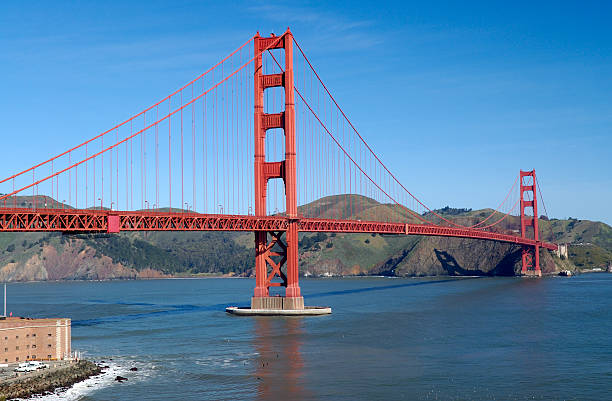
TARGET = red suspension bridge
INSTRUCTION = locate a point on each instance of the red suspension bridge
(186, 164)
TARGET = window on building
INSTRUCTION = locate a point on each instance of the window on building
(33, 345)
(49, 356)
(27, 335)
(16, 336)
(33, 356)
(49, 335)
(17, 358)
(34, 335)
(28, 346)
(49, 345)
(17, 347)
(5, 349)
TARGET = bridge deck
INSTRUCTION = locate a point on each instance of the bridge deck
(84, 221)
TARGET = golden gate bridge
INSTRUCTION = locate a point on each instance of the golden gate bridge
(256, 143)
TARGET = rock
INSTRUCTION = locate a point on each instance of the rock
(47, 382)
(120, 379)
(133, 369)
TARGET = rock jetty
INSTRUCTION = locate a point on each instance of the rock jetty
(47, 381)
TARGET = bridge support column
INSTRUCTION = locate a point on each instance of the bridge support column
(529, 223)
(261, 266)
(531, 261)
(293, 287)
(271, 256)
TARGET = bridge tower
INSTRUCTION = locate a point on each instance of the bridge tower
(529, 223)
(271, 250)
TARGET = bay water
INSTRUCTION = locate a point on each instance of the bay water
(387, 339)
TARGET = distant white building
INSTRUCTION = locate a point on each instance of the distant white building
(562, 251)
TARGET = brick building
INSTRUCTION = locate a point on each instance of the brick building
(23, 339)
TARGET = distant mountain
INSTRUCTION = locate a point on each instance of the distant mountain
(53, 256)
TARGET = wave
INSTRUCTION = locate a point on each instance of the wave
(96, 383)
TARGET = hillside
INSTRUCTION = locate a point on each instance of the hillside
(53, 256)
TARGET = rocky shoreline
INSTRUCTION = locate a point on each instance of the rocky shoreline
(47, 381)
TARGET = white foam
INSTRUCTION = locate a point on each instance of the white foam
(88, 386)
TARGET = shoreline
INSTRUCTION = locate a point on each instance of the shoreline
(48, 380)
(235, 276)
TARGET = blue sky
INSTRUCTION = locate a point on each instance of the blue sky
(456, 98)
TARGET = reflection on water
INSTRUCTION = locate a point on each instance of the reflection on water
(279, 366)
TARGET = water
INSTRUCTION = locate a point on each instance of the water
(387, 339)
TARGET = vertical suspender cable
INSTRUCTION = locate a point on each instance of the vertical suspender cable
(182, 159)
(169, 157)
(193, 156)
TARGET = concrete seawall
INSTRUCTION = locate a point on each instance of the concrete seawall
(42, 381)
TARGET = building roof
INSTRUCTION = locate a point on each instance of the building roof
(17, 322)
